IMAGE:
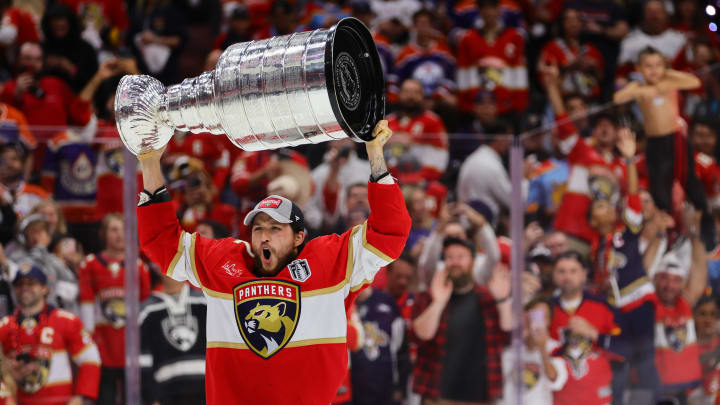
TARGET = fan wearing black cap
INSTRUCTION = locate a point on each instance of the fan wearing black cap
(277, 304)
(39, 342)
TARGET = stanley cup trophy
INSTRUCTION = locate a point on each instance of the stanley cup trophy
(308, 87)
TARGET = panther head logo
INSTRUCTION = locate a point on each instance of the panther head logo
(271, 324)
(37, 377)
(676, 337)
(114, 311)
(530, 375)
(267, 312)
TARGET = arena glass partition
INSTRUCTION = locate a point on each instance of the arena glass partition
(586, 139)
(525, 156)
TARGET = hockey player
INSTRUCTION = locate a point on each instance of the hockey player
(276, 325)
(40, 340)
(102, 304)
(172, 345)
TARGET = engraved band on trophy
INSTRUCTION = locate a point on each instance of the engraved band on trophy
(307, 87)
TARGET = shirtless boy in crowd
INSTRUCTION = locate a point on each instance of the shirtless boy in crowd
(668, 155)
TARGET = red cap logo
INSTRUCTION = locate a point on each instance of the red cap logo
(270, 203)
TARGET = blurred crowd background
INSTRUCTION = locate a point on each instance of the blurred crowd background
(621, 276)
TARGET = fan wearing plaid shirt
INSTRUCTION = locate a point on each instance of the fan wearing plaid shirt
(459, 328)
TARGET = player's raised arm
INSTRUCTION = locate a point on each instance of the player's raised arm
(151, 170)
(376, 156)
(382, 238)
(161, 236)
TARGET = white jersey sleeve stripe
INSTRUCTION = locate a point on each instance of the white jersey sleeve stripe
(182, 267)
(88, 355)
(366, 260)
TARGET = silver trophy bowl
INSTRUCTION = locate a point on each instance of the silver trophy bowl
(307, 87)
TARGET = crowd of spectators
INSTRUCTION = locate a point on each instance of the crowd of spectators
(615, 103)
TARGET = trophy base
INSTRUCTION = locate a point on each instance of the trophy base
(356, 86)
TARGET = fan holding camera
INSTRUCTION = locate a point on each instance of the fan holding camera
(40, 340)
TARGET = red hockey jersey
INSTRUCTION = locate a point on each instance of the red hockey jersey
(574, 80)
(595, 311)
(588, 381)
(212, 150)
(428, 142)
(708, 173)
(497, 65)
(589, 373)
(102, 304)
(676, 343)
(25, 24)
(278, 339)
(110, 170)
(52, 340)
(572, 213)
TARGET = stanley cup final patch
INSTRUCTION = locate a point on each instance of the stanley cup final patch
(267, 312)
(299, 270)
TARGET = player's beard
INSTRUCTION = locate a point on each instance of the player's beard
(281, 263)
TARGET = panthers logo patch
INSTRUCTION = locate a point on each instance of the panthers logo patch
(267, 312)
(676, 337)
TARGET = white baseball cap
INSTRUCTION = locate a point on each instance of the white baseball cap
(280, 209)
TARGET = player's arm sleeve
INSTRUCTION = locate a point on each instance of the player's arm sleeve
(86, 357)
(87, 297)
(179, 254)
(381, 239)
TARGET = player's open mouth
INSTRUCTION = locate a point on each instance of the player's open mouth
(266, 255)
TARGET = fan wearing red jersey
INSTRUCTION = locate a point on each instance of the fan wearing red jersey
(423, 138)
(493, 59)
(678, 286)
(102, 303)
(276, 317)
(584, 325)
(585, 156)
(40, 341)
(703, 138)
